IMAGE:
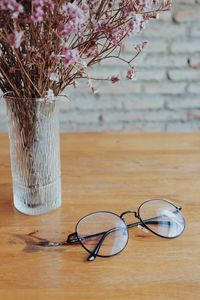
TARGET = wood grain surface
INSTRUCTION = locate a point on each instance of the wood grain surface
(115, 172)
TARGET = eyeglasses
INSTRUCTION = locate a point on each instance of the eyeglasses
(106, 234)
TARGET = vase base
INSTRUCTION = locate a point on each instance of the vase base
(37, 200)
(36, 211)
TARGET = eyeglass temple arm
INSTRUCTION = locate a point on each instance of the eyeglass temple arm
(149, 221)
(93, 255)
(153, 220)
(74, 239)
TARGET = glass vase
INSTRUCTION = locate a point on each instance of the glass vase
(33, 127)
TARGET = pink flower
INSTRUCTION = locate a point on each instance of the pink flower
(67, 29)
(139, 47)
(37, 15)
(115, 78)
(69, 56)
(116, 35)
(16, 8)
(73, 11)
(38, 2)
(76, 17)
(15, 39)
(43, 3)
(39, 7)
(130, 74)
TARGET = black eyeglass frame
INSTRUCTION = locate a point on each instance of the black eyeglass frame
(82, 244)
(74, 238)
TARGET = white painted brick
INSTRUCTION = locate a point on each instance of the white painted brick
(164, 30)
(186, 46)
(169, 88)
(194, 88)
(141, 126)
(84, 127)
(143, 102)
(95, 102)
(194, 61)
(164, 115)
(163, 61)
(195, 31)
(125, 87)
(184, 74)
(183, 103)
(83, 117)
(150, 75)
(182, 126)
(187, 15)
(155, 46)
(194, 114)
(122, 116)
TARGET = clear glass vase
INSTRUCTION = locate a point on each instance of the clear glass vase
(33, 127)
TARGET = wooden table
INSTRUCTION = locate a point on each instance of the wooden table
(115, 172)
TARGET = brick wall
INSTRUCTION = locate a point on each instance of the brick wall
(166, 94)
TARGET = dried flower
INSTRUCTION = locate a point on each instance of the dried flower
(13, 6)
(115, 78)
(139, 47)
(130, 74)
(48, 44)
(49, 97)
(69, 56)
(15, 39)
(54, 77)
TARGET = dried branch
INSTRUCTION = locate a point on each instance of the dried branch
(46, 45)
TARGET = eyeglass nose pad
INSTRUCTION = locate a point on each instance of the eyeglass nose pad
(142, 228)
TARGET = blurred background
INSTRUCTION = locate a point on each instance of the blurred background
(164, 97)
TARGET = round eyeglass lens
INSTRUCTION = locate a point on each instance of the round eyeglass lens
(162, 217)
(105, 229)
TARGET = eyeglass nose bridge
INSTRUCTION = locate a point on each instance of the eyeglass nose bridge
(129, 212)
